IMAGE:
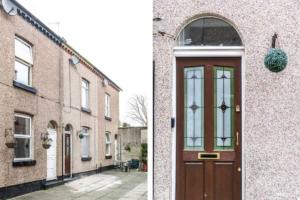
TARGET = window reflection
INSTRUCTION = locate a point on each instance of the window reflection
(209, 32)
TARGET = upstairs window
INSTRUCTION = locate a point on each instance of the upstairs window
(23, 136)
(23, 62)
(209, 31)
(85, 143)
(84, 94)
(107, 106)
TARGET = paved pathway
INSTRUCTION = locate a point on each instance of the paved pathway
(110, 185)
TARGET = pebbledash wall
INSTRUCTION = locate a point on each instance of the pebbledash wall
(55, 96)
(271, 101)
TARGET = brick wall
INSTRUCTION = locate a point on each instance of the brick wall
(58, 99)
(132, 137)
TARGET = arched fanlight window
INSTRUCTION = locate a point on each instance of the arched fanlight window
(52, 125)
(209, 31)
(68, 128)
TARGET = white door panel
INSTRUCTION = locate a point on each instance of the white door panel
(51, 156)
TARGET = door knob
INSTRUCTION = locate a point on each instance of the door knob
(205, 195)
(239, 169)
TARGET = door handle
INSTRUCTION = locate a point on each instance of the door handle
(237, 108)
(237, 139)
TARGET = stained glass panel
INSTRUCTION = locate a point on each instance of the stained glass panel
(224, 107)
(193, 108)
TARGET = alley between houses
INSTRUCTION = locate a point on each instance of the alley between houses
(109, 185)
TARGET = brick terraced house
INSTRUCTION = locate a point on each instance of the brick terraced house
(59, 113)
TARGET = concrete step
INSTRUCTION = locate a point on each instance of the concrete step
(49, 184)
(53, 183)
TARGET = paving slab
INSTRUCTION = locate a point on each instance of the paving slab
(109, 185)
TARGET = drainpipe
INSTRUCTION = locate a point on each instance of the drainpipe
(96, 139)
(153, 126)
(61, 94)
(62, 154)
(120, 147)
(71, 154)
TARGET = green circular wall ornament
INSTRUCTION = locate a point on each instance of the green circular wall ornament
(80, 135)
(276, 60)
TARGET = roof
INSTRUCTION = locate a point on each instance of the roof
(88, 64)
(61, 42)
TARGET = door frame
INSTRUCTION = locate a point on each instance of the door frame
(200, 52)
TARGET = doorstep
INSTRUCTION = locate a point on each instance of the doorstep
(53, 183)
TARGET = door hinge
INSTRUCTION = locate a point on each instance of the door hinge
(172, 122)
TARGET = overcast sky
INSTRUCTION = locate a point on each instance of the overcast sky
(115, 35)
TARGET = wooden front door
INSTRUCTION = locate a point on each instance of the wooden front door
(208, 125)
(67, 154)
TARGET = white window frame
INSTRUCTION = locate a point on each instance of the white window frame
(25, 136)
(107, 105)
(107, 144)
(87, 135)
(87, 93)
(24, 62)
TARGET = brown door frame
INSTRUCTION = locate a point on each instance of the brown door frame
(180, 120)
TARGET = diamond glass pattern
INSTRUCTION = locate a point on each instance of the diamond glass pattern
(223, 107)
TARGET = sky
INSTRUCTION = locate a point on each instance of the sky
(114, 35)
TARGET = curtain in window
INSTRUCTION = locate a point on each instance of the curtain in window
(85, 143)
(107, 144)
(23, 62)
(85, 94)
(107, 105)
(22, 128)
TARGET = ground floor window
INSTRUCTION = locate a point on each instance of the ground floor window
(23, 136)
(107, 144)
(85, 143)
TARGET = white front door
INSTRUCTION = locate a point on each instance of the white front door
(51, 156)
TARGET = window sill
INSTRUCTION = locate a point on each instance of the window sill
(86, 110)
(107, 118)
(25, 87)
(86, 159)
(108, 157)
(24, 163)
